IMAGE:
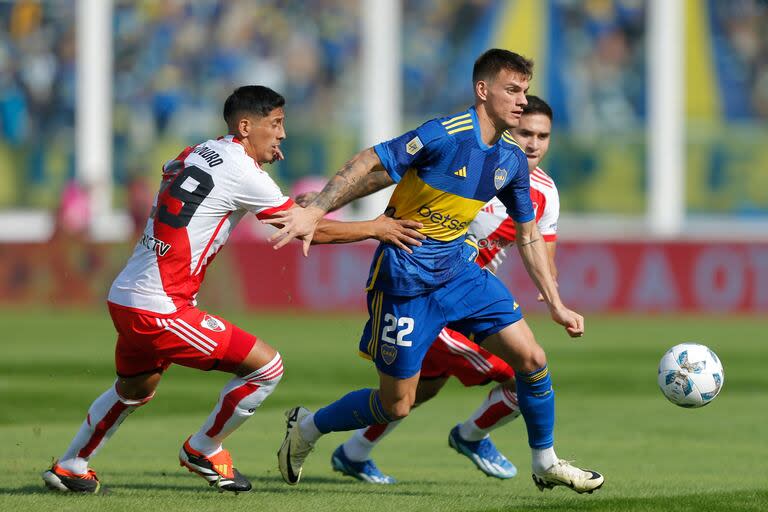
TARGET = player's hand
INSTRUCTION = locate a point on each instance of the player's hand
(398, 232)
(572, 321)
(304, 199)
(299, 223)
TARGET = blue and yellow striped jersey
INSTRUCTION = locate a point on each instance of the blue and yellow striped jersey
(445, 173)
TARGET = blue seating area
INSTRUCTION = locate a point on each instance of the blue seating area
(175, 60)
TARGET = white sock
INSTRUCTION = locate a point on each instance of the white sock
(237, 402)
(358, 447)
(308, 428)
(543, 459)
(105, 415)
(497, 410)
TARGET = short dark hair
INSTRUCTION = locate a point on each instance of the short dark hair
(537, 105)
(488, 65)
(252, 99)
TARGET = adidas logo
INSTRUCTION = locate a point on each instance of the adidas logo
(461, 173)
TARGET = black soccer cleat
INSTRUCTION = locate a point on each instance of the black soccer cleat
(59, 479)
(217, 470)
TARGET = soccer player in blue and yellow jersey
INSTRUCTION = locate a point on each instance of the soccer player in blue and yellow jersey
(445, 172)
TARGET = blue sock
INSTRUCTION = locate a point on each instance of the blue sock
(537, 403)
(354, 410)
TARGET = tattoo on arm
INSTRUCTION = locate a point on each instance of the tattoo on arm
(529, 242)
(359, 177)
(369, 184)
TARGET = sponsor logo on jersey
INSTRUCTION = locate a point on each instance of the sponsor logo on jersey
(388, 353)
(443, 219)
(154, 244)
(213, 324)
(499, 178)
(414, 145)
(493, 243)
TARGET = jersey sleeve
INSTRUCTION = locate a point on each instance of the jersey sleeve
(412, 149)
(259, 194)
(548, 221)
(516, 195)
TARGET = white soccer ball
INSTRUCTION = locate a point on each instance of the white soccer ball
(690, 375)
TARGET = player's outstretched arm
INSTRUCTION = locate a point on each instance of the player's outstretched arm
(533, 252)
(376, 180)
(361, 176)
(401, 233)
(551, 250)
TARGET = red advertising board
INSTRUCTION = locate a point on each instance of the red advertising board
(594, 276)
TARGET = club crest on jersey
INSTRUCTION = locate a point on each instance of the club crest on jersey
(499, 178)
(213, 324)
(388, 353)
(414, 145)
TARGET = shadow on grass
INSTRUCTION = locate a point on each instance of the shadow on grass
(271, 485)
(41, 490)
(27, 489)
(273, 482)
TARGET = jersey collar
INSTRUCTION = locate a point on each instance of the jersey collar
(477, 132)
(230, 138)
(233, 139)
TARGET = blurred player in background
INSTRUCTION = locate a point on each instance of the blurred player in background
(445, 170)
(204, 193)
(452, 353)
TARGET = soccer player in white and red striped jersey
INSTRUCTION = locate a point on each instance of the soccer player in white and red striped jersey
(453, 353)
(204, 193)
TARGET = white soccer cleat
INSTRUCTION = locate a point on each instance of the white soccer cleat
(294, 450)
(563, 473)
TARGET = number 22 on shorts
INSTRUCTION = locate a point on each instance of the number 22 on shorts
(391, 324)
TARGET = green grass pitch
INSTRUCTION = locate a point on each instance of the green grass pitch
(611, 416)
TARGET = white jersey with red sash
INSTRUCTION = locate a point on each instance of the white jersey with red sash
(204, 193)
(493, 230)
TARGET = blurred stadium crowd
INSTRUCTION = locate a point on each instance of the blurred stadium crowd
(175, 60)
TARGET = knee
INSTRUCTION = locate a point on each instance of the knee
(428, 389)
(134, 396)
(535, 359)
(509, 384)
(268, 376)
(137, 390)
(398, 409)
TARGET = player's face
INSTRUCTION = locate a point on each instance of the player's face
(533, 134)
(505, 98)
(265, 134)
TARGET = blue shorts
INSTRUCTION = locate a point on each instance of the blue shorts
(401, 329)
